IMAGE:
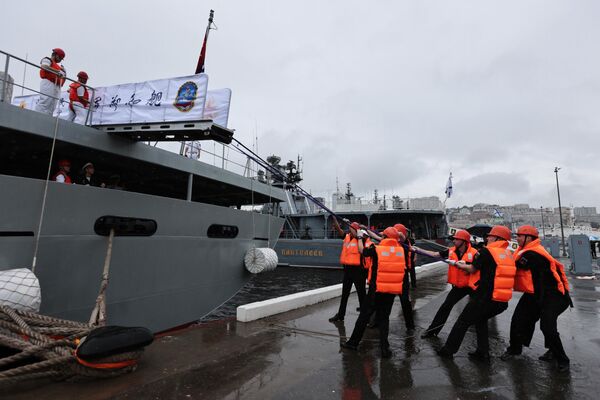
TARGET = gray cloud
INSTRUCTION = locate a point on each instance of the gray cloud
(497, 93)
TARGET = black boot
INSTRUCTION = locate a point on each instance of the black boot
(547, 356)
(442, 352)
(336, 318)
(349, 345)
(510, 353)
(479, 355)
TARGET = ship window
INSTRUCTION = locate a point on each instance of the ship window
(125, 226)
(222, 231)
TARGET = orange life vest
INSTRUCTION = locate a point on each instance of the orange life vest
(524, 280)
(504, 278)
(350, 254)
(391, 266)
(51, 76)
(457, 276)
(73, 94)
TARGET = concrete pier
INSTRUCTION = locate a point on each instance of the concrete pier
(296, 355)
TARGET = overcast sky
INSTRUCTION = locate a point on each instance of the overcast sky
(390, 95)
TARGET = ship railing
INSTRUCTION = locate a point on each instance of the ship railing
(6, 85)
(310, 234)
(227, 157)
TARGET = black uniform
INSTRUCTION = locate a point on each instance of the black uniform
(353, 275)
(405, 302)
(478, 310)
(381, 303)
(545, 304)
(455, 295)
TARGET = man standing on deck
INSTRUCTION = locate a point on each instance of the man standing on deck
(78, 99)
(492, 278)
(545, 289)
(458, 278)
(388, 268)
(353, 265)
(53, 77)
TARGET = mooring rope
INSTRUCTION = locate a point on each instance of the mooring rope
(51, 351)
(37, 238)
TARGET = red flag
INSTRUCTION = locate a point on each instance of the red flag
(200, 66)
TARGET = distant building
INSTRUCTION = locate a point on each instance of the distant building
(584, 211)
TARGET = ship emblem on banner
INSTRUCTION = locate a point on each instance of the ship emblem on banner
(184, 101)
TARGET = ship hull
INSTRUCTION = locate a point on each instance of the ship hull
(176, 276)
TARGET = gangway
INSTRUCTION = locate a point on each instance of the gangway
(178, 131)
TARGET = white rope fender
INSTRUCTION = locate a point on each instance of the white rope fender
(260, 259)
(20, 289)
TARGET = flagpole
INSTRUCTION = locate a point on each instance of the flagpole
(200, 65)
(201, 59)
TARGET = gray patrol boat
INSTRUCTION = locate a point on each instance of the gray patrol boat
(182, 226)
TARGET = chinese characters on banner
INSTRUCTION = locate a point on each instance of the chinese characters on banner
(163, 100)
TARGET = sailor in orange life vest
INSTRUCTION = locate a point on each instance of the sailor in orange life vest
(407, 311)
(545, 289)
(458, 278)
(53, 77)
(492, 279)
(78, 99)
(62, 176)
(355, 272)
(387, 277)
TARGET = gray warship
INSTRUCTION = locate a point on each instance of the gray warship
(184, 226)
(309, 238)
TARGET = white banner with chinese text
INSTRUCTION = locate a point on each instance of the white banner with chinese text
(162, 100)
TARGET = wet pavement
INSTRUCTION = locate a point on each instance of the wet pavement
(296, 355)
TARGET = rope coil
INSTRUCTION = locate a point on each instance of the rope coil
(49, 346)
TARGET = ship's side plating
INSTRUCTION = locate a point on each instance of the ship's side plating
(175, 276)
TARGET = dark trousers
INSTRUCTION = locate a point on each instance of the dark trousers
(455, 295)
(526, 315)
(353, 275)
(475, 313)
(406, 304)
(382, 303)
(413, 276)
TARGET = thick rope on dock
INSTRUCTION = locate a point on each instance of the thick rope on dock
(261, 259)
(48, 348)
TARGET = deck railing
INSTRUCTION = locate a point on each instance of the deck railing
(6, 84)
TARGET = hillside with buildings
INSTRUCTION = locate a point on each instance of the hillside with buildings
(575, 218)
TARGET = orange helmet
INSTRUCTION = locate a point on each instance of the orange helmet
(402, 229)
(461, 234)
(60, 52)
(391, 232)
(64, 163)
(355, 225)
(528, 230)
(500, 231)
